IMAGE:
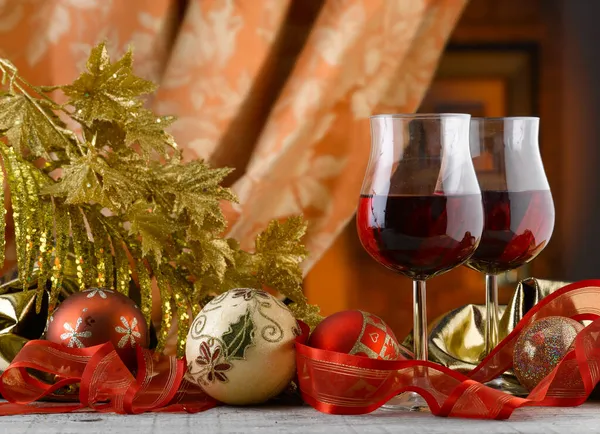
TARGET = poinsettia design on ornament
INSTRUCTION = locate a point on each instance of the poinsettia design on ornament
(212, 361)
(100, 291)
(130, 332)
(73, 334)
(249, 294)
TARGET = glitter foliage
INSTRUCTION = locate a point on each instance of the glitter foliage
(114, 197)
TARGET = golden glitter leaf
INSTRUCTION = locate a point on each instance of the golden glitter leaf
(195, 188)
(79, 183)
(148, 130)
(240, 274)
(280, 253)
(153, 226)
(308, 313)
(29, 127)
(212, 253)
(107, 91)
(91, 179)
(107, 133)
(118, 190)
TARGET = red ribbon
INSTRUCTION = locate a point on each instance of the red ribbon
(106, 385)
(343, 384)
(331, 382)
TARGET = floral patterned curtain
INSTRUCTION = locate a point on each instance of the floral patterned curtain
(280, 89)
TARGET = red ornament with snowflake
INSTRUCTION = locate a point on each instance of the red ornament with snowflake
(358, 333)
(96, 316)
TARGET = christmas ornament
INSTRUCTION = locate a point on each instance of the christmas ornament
(162, 213)
(96, 316)
(240, 348)
(541, 346)
(358, 333)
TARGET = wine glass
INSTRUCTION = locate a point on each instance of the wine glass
(518, 207)
(420, 212)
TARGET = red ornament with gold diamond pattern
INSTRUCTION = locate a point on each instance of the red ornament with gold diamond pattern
(96, 316)
(358, 333)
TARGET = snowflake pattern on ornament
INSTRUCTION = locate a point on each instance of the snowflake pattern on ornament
(128, 331)
(73, 335)
(100, 291)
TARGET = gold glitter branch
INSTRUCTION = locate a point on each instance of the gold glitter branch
(122, 203)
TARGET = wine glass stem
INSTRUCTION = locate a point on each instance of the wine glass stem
(491, 306)
(420, 320)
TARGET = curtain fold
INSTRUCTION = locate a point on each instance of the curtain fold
(280, 89)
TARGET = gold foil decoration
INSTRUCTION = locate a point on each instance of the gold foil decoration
(456, 339)
(19, 321)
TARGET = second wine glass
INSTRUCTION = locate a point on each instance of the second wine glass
(518, 206)
(420, 212)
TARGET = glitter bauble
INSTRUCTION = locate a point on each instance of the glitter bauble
(358, 333)
(240, 348)
(541, 346)
(96, 316)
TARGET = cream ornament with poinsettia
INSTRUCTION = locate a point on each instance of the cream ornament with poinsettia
(240, 348)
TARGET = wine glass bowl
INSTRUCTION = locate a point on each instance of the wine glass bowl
(518, 225)
(420, 212)
(419, 236)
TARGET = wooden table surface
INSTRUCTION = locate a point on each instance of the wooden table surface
(584, 419)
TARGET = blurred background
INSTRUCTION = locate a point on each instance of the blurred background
(282, 90)
(503, 58)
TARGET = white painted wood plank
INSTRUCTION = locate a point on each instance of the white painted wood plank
(584, 419)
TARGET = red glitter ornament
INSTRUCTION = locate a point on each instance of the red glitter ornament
(96, 316)
(358, 333)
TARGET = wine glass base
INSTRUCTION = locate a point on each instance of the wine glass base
(407, 401)
(507, 387)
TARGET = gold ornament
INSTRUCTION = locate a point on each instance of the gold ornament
(124, 204)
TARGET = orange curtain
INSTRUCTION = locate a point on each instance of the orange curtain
(280, 89)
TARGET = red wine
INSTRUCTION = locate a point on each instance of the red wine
(420, 236)
(517, 227)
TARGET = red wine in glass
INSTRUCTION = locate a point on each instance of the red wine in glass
(518, 209)
(518, 225)
(420, 212)
(420, 236)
